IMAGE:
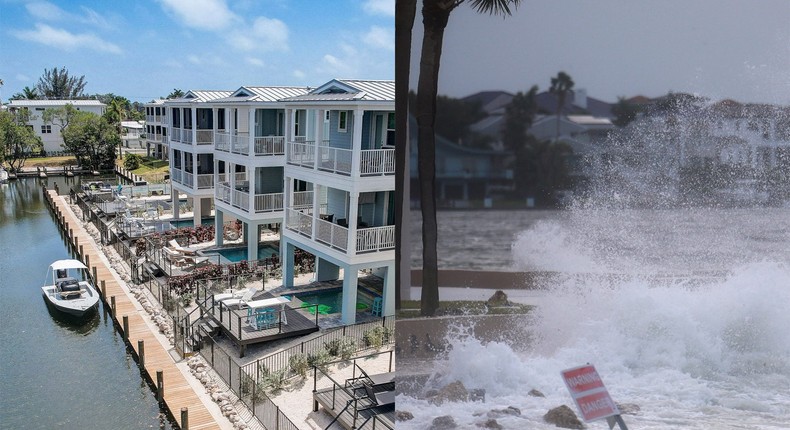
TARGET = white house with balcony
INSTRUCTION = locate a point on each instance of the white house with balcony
(192, 124)
(156, 129)
(48, 132)
(249, 155)
(340, 185)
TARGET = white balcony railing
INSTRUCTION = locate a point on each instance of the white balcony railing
(241, 199)
(205, 181)
(186, 135)
(175, 175)
(205, 137)
(376, 239)
(175, 134)
(188, 179)
(268, 202)
(336, 160)
(222, 141)
(374, 162)
(302, 199)
(270, 145)
(222, 192)
(330, 234)
(149, 119)
(240, 176)
(240, 144)
(301, 154)
(299, 222)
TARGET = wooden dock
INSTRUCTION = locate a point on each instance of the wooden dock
(179, 396)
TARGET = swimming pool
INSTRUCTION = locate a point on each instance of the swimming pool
(189, 222)
(329, 301)
(237, 254)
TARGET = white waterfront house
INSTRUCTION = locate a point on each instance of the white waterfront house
(132, 135)
(340, 185)
(192, 122)
(156, 129)
(48, 132)
(249, 157)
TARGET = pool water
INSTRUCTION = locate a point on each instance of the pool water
(190, 222)
(329, 301)
(238, 254)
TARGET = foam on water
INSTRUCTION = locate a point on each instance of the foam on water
(716, 356)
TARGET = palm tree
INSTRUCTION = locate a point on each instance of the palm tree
(175, 94)
(405, 10)
(27, 93)
(435, 14)
(116, 112)
(560, 86)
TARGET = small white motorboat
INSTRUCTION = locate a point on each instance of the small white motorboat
(68, 288)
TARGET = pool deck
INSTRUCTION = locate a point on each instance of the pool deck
(181, 391)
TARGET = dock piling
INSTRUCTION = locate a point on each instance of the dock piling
(112, 305)
(104, 290)
(126, 327)
(184, 418)
(95, 275)
(141, 354)
(160, 386)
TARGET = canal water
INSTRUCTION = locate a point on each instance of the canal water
(55, 373)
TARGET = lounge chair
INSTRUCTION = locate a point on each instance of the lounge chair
(241, 301)
(195, 261)
(139, 229)
(184, 250)
(224, 296)
(174, 257)
(151, 213)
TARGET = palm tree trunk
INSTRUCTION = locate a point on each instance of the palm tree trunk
(435, 18)
(405, 10)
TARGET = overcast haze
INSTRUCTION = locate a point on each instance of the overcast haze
(737, 49)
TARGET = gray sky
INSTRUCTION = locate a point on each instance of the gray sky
(737, 49)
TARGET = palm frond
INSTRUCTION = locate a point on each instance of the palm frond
(495, 7)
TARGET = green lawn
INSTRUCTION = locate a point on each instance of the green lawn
(151, 169)
(66, 160)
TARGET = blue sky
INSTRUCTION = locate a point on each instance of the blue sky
(143, 49)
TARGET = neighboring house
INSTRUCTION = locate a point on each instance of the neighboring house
(463, 174)
(340, 185)
(132, 134)
(192, 122)
(50, 133)
(156, 129)
(249, 157)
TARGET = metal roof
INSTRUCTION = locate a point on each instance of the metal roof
(350, 90)
(55, 103)
(264, 94)
(201, 96)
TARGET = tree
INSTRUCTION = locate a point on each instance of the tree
(58, 85)
(92, 140)
(624, 112)
(17, 139)
(27, 93)
(175, 94)
(405, 10)
(519, 115)
(132, 161)
(435, 14)
(560, 85)
(60, 116)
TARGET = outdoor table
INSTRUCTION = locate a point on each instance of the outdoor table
(253, 306)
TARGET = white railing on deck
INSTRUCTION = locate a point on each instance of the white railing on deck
(330, 234)
(205, 181)
(222, 192)
(186, 136)
(240, 144)
(377, 162)
(301, 154)
(241, 199)
(175, 134)
(222, 141)
(240, 176)
(302, 199)
(376, 239)
(175, 175)
(268, 202)
(270, 145)
(299, 222)
(205, 137)
(188, 179)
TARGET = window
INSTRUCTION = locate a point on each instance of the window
(46, 129)
(391, 129)
(40, 109)
(342, 121)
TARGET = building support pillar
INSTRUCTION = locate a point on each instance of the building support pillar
(219, 230)
(349, 315)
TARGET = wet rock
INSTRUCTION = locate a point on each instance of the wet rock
(477, 395)
(498, 299)
(535, 393)
(490, 424)
(452, 392)
(628, 408)
(445, 422)
(403, 416)
(509, 411)
(563, 416)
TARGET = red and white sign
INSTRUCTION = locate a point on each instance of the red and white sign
(589, 393)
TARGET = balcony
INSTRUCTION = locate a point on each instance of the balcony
(372, 239)
(240, 144)
(270, 145)
(372, 162)
(175, 134)
(205, 181)
(205, 137)
(240, 198)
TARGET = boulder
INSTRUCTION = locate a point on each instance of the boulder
(535, 393)
(509, 411)
(498, 299)
(477, 395)
(445, 422)
(490, 424)
(403, 416)
(563, 416)
(452, 392)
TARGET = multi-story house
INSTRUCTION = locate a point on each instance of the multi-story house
(340, 185)
(48, 132)
(249, 156)
(192, 124)
(156, 129)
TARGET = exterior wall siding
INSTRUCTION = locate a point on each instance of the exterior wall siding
(269, 180)
(340, 139)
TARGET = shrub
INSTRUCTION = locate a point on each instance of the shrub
(275, 381)
(377, 337)
(131, 161)
(319, 359)
(347, 348)
(298, 364)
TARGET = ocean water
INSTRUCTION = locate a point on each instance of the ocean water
(694, 329)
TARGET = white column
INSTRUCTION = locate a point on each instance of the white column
(197, 207)
(176, 205)
(194, 167)
(253, 236)
(388, 295)
(287, 261)
(219, 222)
(316, 210)
(349, 314)
(353, 211)
(251, 129)
(214, 122)
(356, 142)
(193, 111)
(319, 126)
(289, 126)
